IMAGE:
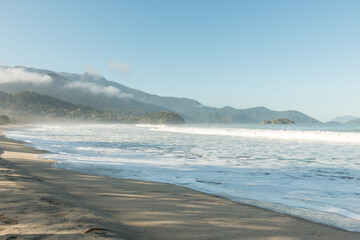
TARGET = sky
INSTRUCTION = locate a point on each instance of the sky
(301, 55)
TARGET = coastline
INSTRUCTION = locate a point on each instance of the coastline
(69, 202)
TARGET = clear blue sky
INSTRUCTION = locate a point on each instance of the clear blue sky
(302, 55)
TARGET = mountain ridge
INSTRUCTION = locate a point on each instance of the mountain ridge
(354, 121)
(98, 92)
(343, 119)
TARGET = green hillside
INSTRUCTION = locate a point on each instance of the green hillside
(33, 106)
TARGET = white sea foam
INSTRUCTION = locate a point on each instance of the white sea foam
(276, 167)
(322, 136)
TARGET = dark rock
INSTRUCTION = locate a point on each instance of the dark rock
(278, 121)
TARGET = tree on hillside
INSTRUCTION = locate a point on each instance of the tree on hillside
(4, 119)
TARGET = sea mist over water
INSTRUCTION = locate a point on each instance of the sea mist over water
(310, 171)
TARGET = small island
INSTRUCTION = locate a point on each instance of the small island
(278, 121)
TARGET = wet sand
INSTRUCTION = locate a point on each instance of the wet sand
(38, 201)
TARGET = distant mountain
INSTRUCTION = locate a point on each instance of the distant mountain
(96, 91)
(86, 89)
(354, 121)
(343, 119)
(26, 106)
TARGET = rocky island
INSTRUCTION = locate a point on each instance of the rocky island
(278, 121)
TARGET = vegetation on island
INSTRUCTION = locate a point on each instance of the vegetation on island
(278, 121)
(31, 106)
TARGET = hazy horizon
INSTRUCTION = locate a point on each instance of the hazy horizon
(282, 55)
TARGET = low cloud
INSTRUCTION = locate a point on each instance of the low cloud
(94, 72)
(109, 91)
(12, 74)
(121, 67)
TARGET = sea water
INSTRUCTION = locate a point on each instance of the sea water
(309, 171)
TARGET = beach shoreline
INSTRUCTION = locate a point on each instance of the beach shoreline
(70, 203)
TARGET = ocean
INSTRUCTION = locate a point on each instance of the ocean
(308, 171)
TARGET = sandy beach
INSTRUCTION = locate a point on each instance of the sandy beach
(38, 201)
